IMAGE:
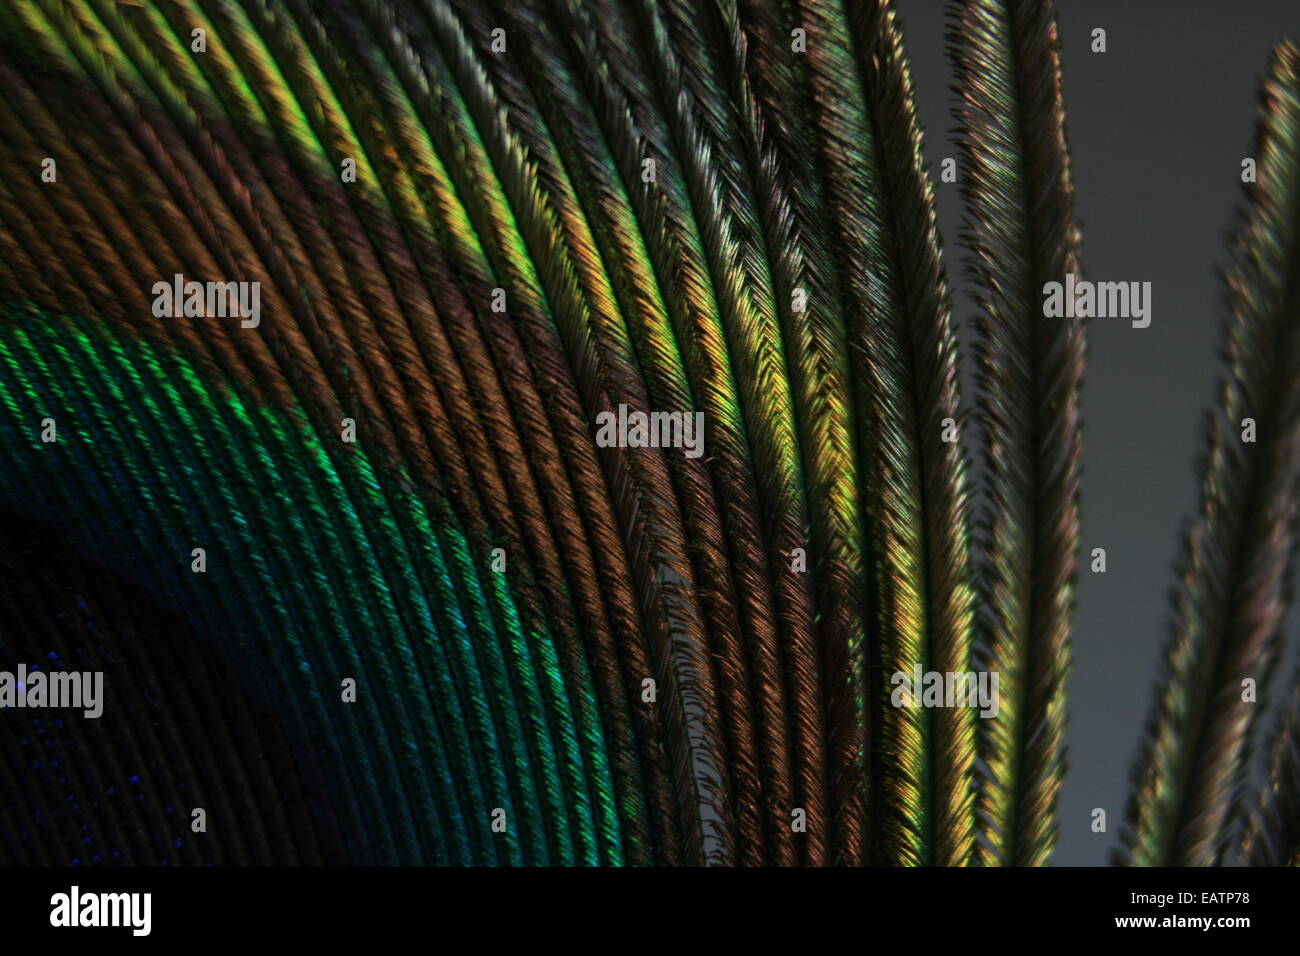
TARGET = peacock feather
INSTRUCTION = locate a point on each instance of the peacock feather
(333, 338)
(1239, 552)
(1021, 235)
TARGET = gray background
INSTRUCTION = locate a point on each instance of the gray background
(1158, 126)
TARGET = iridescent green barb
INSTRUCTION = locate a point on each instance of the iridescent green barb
(1021, 234)
(938, 535)
(828, 676)
(1239, 554)
(902, 362)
